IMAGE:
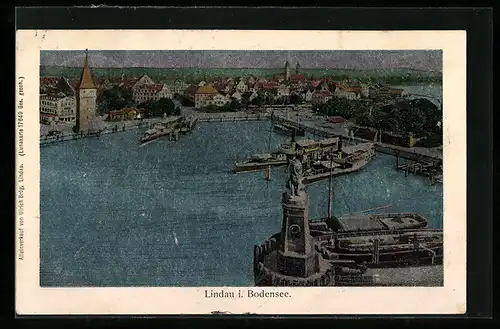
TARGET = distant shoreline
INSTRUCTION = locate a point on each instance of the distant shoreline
(391, 76)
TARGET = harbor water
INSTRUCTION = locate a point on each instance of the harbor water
(114, 213)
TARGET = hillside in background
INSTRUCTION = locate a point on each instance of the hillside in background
(392, 76)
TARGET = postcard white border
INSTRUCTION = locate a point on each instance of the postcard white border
(450, 299)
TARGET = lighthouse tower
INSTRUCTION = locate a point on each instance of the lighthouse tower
(86, 99)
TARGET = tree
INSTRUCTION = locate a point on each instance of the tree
(158, 107)
(233, 106)
(296, 99)
(114, 99)
(258, 100)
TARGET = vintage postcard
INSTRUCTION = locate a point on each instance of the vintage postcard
(261, 172)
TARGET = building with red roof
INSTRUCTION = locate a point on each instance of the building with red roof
(150, 91)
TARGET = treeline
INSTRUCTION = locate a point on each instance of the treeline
(160, 107)
(117, 98)
(260, 100)
(418, 117)
(114, 99)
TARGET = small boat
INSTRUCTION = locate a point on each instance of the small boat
(155, 133)
(261, 161)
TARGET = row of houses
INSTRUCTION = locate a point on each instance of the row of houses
(57, 100)
(205, 94)
(57, 94)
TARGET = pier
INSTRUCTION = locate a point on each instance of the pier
(67, 136)
(423, 168)
(413, 154)
(231, 116)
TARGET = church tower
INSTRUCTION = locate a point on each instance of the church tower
(297, 68)
(287, 71)
(86, 99)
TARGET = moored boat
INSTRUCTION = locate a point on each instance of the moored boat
(155, 133)
(353, 250)
(349, 159)
(354, 223)
(171, 126)
(261, 161)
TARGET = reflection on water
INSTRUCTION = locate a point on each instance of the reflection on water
(114, 213)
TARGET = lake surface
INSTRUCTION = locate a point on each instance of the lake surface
(114, 213)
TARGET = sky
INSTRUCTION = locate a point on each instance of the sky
(428, 60)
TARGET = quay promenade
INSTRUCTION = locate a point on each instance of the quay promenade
(313, 126)
(110, 128)
(231, 116)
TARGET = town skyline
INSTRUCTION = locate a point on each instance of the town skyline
(423, 60)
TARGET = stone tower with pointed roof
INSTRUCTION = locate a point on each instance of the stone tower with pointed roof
(287, 71)
(86, 99)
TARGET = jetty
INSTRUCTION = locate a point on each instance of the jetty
(423, 166)
(67, 136)
(231, 116)
(415, 154)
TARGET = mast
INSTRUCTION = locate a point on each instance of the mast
(270, 135)
(330, 187)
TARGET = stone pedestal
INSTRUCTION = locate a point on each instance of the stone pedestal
(296, 255)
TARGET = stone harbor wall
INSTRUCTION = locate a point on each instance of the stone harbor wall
(268, 277)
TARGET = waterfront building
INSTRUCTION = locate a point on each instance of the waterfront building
(178, 87)
(145, 89)
(204, 96)
(125, 114)
(347, 92)
(242, 87)
(86, 99)
(57, 100)
(154, 91)
(144, 80)
(220, 100)
(58, 107)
